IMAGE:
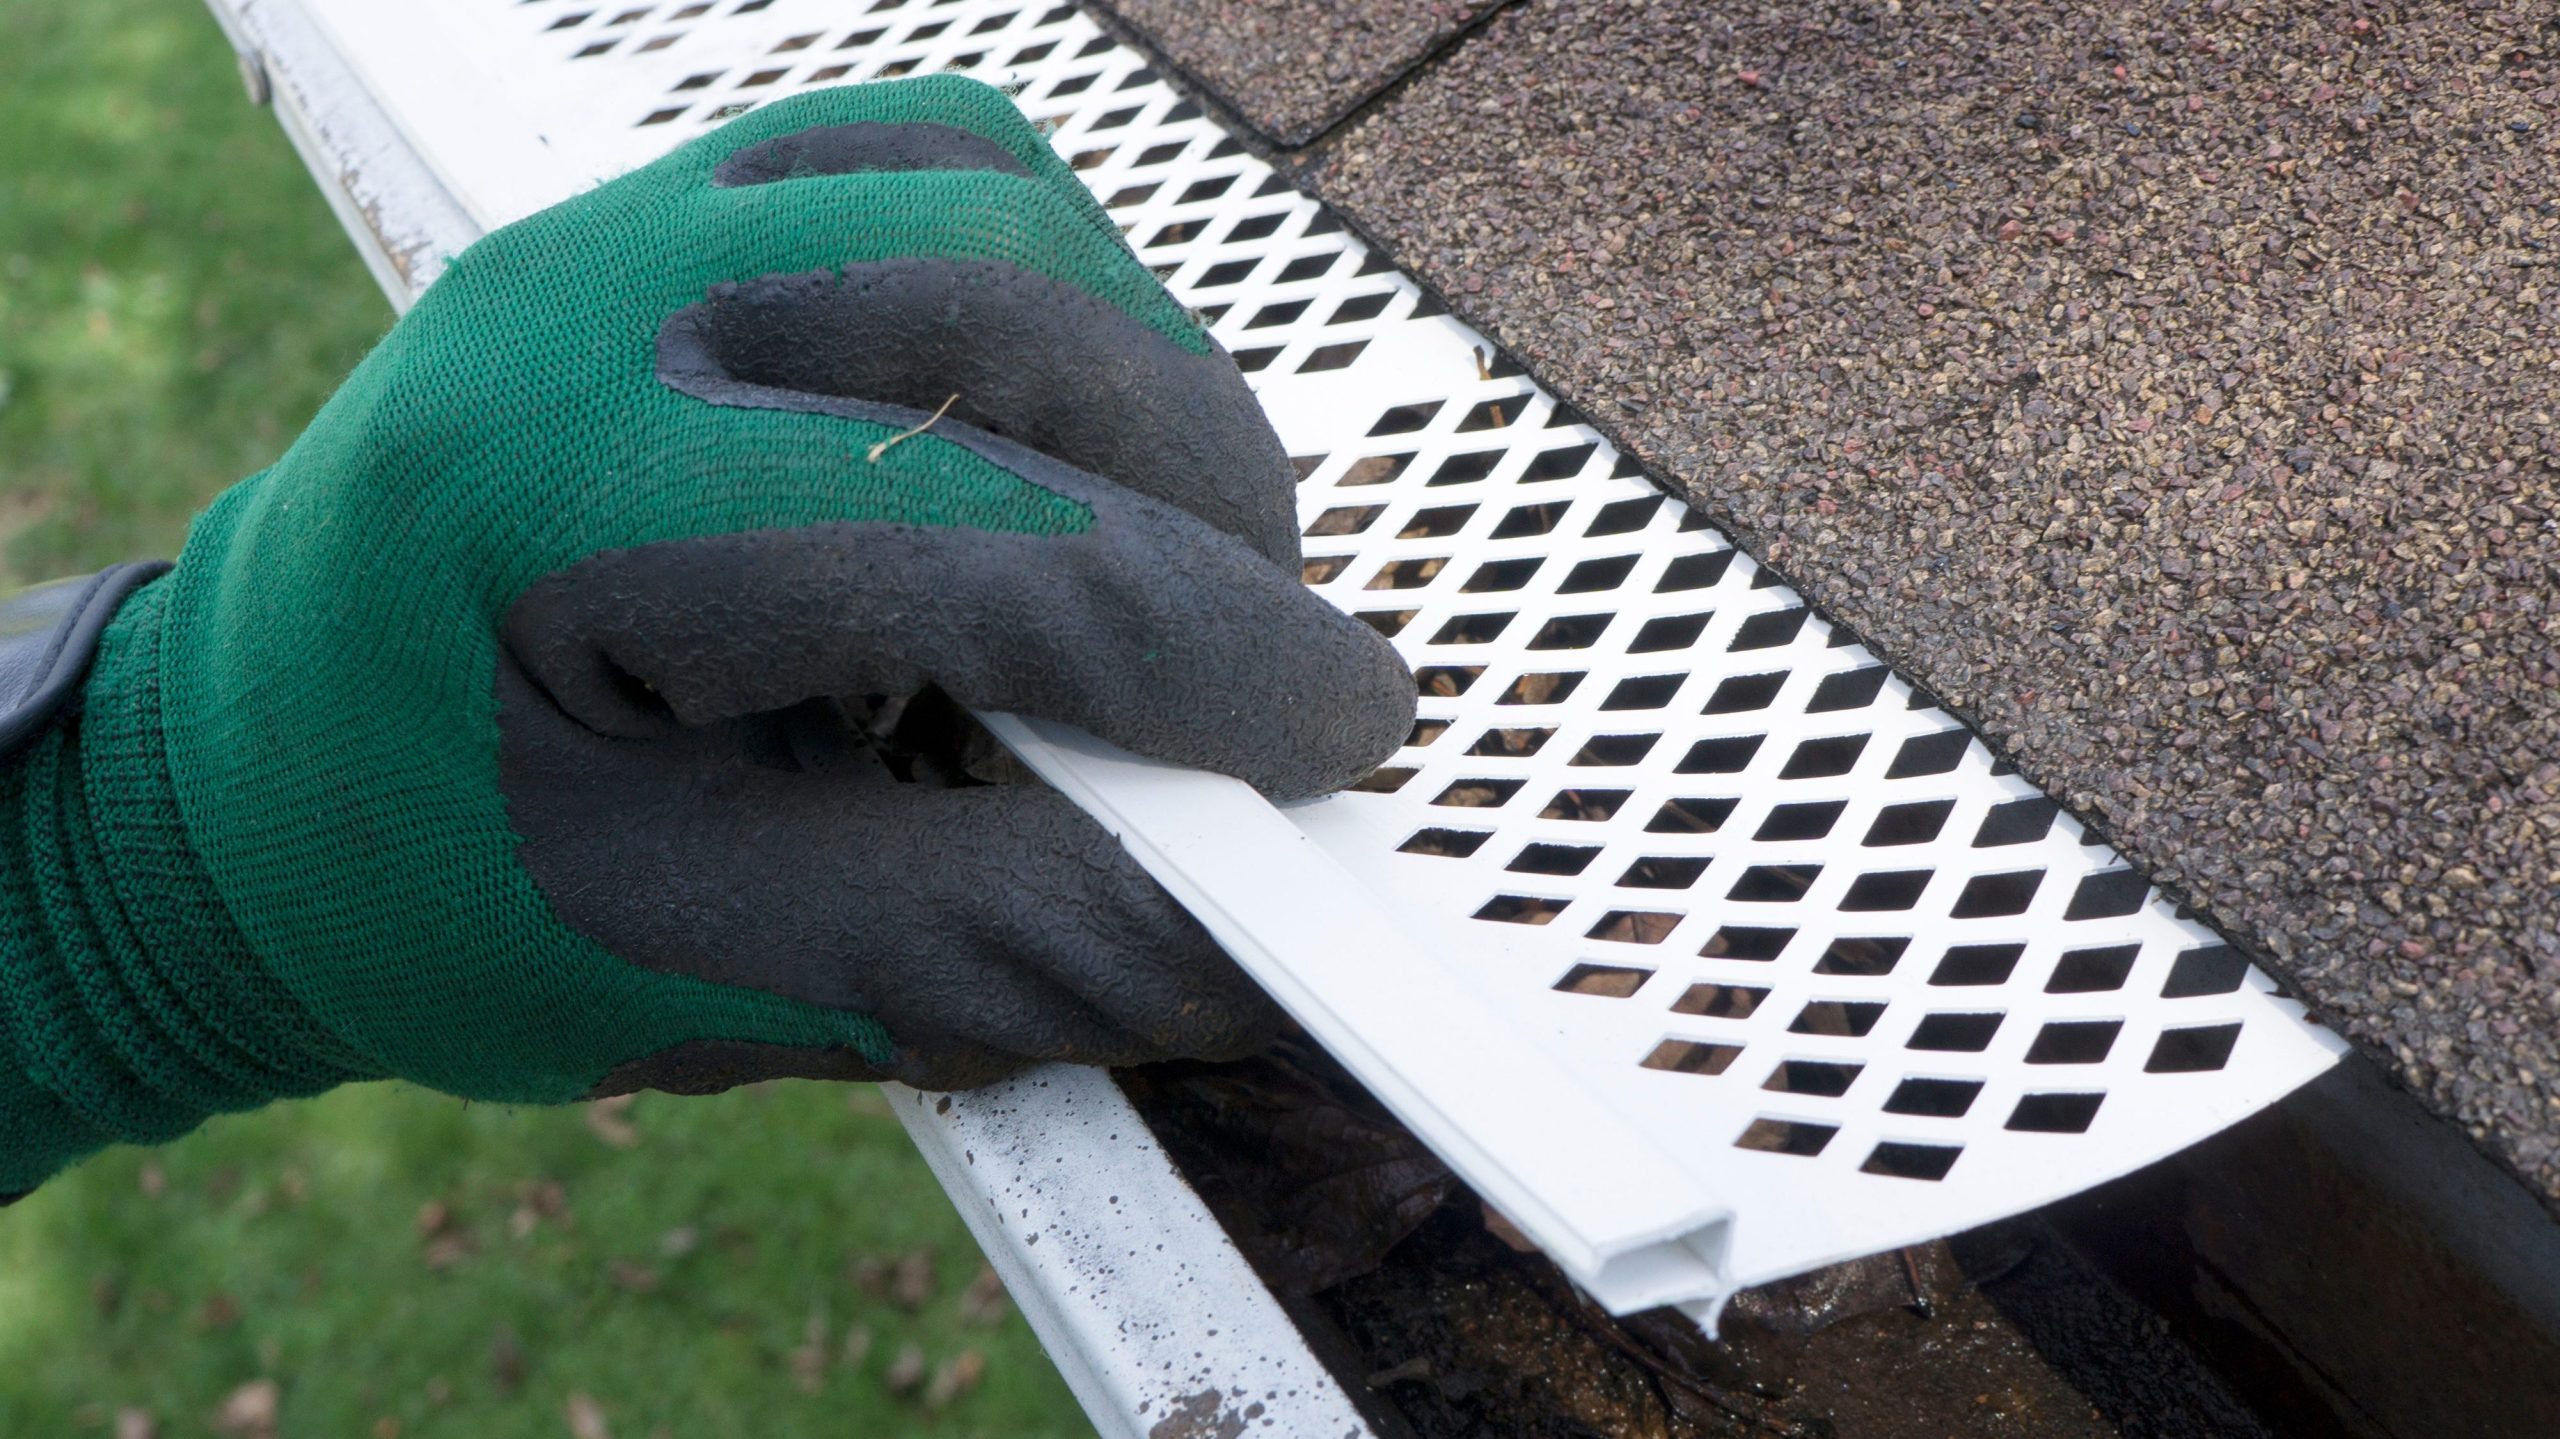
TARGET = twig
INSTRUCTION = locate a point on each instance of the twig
(1484, 371)
(1920, 1304)
(882, 448)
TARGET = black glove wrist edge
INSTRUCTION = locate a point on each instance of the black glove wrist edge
(49, 635)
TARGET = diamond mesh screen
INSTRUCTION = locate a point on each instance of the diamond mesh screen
(1777, 910)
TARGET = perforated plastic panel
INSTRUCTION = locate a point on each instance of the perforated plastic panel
(1776, 916)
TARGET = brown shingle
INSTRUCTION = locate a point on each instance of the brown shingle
(1293, 67)
(2174, 389)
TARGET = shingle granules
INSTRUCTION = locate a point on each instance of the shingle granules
(2174, 390)
(1293, 67)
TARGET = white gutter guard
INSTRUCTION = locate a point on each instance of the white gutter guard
(1627, 1219)
(1697, 942)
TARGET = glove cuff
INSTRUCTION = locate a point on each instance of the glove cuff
(130, 1005)
(48, 635)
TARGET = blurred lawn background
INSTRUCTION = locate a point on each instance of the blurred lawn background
(175, 301)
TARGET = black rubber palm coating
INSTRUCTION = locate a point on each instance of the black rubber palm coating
(1149, 630)
(1027, 358)
(1000, 916)
(648, 698)
(985, 927)
(866, 146)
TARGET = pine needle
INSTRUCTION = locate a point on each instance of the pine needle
(882, 448)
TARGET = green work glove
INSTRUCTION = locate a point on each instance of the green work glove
(497, 737)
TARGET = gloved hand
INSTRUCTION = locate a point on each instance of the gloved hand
(494, 738)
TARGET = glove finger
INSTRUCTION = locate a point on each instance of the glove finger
(865, 147)
(1175, 421)
(983, 928)
(705, 236)
(743, 150)
(1148, 628)
(1014, 352)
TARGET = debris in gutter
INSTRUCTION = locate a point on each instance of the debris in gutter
(1460, 1330)
(1324, 1180)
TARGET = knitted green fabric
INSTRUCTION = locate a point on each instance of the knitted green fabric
(132, 1005)
(271, 852)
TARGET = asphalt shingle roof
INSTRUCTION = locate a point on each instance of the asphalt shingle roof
(2174, 390)
(1290, 68)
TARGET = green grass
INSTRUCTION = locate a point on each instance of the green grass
(175, 301)
(669, 1281)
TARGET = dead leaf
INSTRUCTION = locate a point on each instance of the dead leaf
(250, 1410)
(586, 1419)
(539, 1202)
(857, 1345)
(507, 1362)
(132, 1423)
(449, 1241)
(1537, 689)
(447, 1250)
(906, 1371)
(911, 1284)
(1500, 1227)
(868, 1273)
(386, 1427)
(632, 1278)
(984, 1303)
(1328, 1182)
(220, 1311)
(680, 1241)
(1418, 1367)
(153, 1181)
(809, 1360)
(606, 1119)
(1809, 1303)
(958, 1375)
